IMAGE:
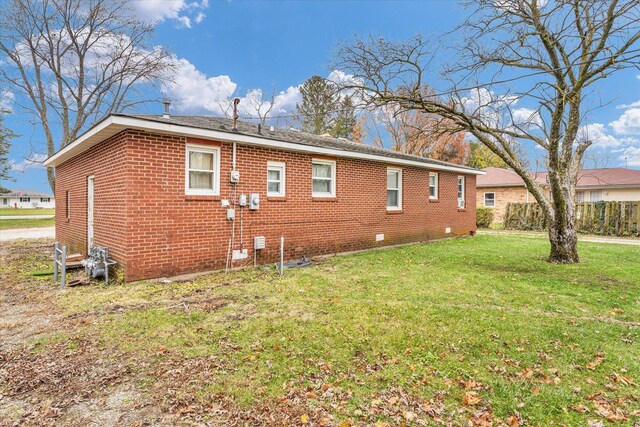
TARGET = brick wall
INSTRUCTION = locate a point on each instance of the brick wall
(168, 233)
(503, 196)
(107, 163)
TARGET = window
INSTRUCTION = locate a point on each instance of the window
(68, 206)
(25, 199)
(394, 189)
(595, 196)
(202, 170)
(461, 192)
(5, 201)
(45, 199)
(275, 179)
(580, 196)
(433, 186)
(324, 178)
(490, 200)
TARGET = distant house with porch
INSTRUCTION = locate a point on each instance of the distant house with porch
(500, 187)
(20, 199)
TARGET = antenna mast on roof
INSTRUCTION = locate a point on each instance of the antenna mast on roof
(236, 101)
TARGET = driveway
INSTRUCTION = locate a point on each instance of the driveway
(593, 239)
(25, 217)
(27, 233)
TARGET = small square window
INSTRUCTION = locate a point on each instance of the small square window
(394, 189)
(324, 178)
(433, 186)
(275, 179)
(490, 200)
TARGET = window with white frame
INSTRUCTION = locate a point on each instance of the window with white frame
(25, 199)
(461, 192)
(324, 178)
(394, 189)
(45, 199)
(275, 179)
(595, 196)
(433, 185)
(202, 170)
(490, 200)
(580, 196)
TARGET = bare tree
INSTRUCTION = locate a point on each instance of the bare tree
(418, 133)
(546, 55)
(73, 61)
(258, 106)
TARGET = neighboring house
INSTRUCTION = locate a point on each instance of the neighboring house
(500, 187)
(156, 189)
(18, 199)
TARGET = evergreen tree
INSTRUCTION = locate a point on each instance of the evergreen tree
(345, 120)
(323, 110)
(315, 114)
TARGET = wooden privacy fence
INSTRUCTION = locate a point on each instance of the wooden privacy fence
(606, 218)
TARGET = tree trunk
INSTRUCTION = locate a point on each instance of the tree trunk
(564, 245)
(562, 232)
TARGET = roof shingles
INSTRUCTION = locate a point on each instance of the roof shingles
(292, 135)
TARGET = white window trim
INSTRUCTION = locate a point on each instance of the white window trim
(436, 186)
(484, 199)
(332, 163)
(281, 166)
(25, 199)
(399, 207)
(216, 170)
(461, 200)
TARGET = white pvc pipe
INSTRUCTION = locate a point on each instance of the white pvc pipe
(281, 255)
(233, 161)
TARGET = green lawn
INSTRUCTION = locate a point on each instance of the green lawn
(6, 224)
(26, 211)
(459, 330)
(480, 330)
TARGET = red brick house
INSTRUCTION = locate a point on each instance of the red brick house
(155, 189)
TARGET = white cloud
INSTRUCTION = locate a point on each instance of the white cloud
(628, 123)
(35, 162)
(6, 100)
(630, 156)
(192, 91)
(180, 11)
(632, 105)
(597, 133)
(524, 117)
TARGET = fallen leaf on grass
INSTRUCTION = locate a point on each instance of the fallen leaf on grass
(622, 379)
(304, 418)
(471, 398)
(513, 421)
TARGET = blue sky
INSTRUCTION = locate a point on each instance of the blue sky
(231, 48)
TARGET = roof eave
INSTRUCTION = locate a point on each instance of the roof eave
(115, 123)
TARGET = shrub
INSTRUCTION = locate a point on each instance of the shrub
(484, 217)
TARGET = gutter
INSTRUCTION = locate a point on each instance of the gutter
(123, 122)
